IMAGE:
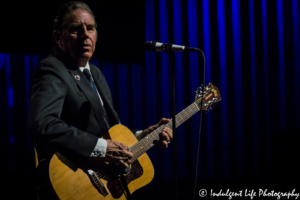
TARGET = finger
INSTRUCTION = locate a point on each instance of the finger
(152, 128)
(163, 121)
(127, 161)
(164, 136)
(129, 154)
(169, 132)
(114, 146)
(124, 164)
(124, 146)
(126, 153)
(163, 144)
(119, 157)
(160, 144)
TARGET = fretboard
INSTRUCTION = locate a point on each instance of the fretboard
(146, 143)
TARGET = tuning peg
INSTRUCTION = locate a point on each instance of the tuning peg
(208, 109)
(198, 93)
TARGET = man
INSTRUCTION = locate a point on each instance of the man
(71, 106)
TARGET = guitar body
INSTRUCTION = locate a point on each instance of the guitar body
(76, 184)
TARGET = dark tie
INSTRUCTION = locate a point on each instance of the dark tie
(87, 74)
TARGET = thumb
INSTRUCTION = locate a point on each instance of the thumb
(163, 121)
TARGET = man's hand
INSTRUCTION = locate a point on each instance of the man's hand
(164, 137)
(118, 153)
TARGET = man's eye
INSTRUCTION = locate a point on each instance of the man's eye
(73, 30)
(90, 28)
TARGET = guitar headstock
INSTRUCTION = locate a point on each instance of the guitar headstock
(210, 96)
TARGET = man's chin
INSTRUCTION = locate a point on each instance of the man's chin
(82, 59)
(86, 55)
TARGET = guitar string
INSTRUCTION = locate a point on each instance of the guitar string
(138, 148)
(178, 122)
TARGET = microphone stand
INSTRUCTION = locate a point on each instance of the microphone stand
(171, 55)
(169, 49)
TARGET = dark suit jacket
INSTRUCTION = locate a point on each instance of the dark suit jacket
(65, 113)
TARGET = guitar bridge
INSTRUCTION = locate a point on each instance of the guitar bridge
(96, 181)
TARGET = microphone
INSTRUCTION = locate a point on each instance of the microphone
(157, 47)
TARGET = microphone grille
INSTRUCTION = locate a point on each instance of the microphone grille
(150, 46)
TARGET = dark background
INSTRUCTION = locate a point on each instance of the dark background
(248, 147)
(27, 28)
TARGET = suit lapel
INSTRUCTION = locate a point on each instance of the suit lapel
(99, 84)
(88, 91)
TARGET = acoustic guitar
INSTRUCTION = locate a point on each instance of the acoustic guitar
(109, 181)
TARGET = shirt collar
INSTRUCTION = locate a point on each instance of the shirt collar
(86, 67)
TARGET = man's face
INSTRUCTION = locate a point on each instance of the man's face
(79, 36)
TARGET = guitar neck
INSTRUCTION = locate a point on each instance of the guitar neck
(147, 142)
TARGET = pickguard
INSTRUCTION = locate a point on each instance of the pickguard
(116, 188)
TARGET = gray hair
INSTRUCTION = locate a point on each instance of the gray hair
(61, 15)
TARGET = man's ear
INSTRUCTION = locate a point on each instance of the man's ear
(57, 38)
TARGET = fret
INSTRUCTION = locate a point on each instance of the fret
(196, 106)
(184, 114)
(179, 119)
(182, 117)
(146, 143)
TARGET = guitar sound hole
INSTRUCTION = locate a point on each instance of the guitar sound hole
(116, 187)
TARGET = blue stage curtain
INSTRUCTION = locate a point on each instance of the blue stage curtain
(252, 56)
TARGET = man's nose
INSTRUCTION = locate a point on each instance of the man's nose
(84, 33)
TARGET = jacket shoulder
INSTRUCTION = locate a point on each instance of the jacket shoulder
(50, 62)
